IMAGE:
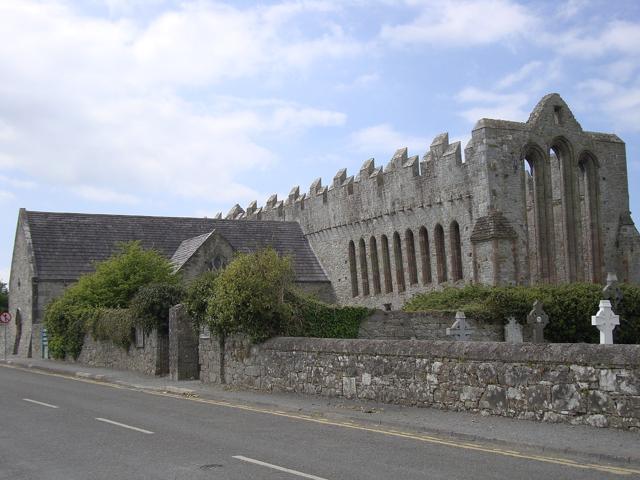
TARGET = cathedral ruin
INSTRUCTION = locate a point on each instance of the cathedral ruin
(537, 202)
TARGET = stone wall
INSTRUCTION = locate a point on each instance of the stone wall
(398, 325)
(150, 359)
(596, 385)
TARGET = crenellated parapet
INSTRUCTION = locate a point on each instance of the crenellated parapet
(404, 183)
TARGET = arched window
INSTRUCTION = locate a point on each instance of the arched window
(375, 267)
(537, 183)
(425, 256)
(441, 254)
(386, 265)
(411, 257)
(354, 269)
(397, 255)
(592, 238)
(456, 251)
(364, 270)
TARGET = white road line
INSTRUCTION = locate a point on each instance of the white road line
(123, 425)
(276, 467)
(39, 403)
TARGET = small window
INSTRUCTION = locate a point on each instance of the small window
(557, 115)
(139, 333)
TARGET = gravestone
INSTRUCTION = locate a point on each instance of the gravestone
(460, 330)
(513, 331)
(537, 320)
(612, 291)
(606, 320)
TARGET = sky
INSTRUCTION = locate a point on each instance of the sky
(186, 108)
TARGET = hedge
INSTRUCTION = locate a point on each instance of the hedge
(569, 307)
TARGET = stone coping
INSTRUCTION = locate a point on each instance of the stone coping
(552, 353)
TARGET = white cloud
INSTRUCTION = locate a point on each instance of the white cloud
(4, 274)
(619, 102)
(384, 138)
(96, 194)
(96, 105)
(462, 23)
(6, 195)
(616, 37)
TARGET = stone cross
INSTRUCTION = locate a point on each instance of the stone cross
(606, 321)
(513, 331)
(537, 319)
(460, 330)
(612, 291)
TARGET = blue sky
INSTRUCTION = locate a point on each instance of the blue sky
(186, 108)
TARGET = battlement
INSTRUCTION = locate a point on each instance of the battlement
(405, 182)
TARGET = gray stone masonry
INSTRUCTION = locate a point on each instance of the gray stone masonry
(398, 325)
(596, 385)
(183, 345)
(152, 359)
(541, 201)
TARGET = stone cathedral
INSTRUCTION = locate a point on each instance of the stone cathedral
(537, 202)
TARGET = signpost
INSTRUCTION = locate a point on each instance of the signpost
(5, 318)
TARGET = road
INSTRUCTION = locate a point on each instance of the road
(53, 427)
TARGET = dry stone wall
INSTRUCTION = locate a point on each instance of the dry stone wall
(597, 385)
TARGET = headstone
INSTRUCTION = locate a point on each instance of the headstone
(460, 330)
(537, 320)
(513, 331)
(612, 291)
(606, 320)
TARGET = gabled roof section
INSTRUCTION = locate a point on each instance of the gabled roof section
(552, 109)
(66, 245)
(187, 248)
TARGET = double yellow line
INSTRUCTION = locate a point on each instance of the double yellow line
(356, 426)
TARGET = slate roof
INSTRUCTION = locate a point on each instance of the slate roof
(66, 245)
(187, 248)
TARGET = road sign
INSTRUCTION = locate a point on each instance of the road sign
(5, 317)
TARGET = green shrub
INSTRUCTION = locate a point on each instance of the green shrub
(569, 307)
(4, 297)
(112, 285)
(248, 295)
(115, 325)
(150, 305)
(198, 293)
(312, 318)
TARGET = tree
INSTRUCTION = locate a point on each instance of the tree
(113, 285)
(248, 297)
(150, 305)
(4, 297)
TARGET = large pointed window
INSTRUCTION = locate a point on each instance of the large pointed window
(397, 254)
(354, 269)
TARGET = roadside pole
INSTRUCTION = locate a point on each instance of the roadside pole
(5, 318)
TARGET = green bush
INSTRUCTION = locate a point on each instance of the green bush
(248, 295)
(112, 286)
(569, 307)
(150, 305)
(115, 325)
(4, 297)
(312, 318)
(198, 293)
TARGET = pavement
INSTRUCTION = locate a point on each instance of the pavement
(581, 445)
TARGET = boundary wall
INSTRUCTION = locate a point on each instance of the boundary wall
(597, 385)
(151, 359)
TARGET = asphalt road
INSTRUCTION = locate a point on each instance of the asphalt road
(53, 427)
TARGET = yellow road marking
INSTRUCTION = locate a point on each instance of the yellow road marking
(354, 426)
